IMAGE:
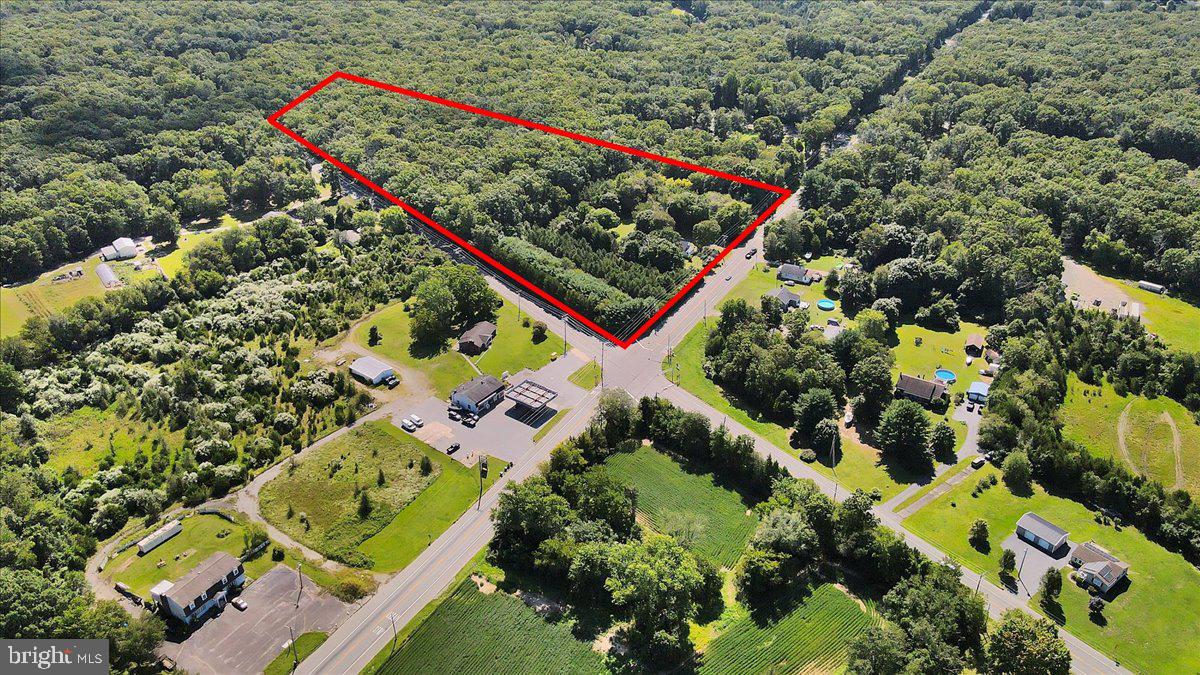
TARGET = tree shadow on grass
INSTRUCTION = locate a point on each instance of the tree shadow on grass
(428, 349)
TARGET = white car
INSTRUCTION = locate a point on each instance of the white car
(407, 425)
(417, 421)
(239, 603)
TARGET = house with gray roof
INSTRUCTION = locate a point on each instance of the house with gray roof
(207, 586)
(1097, 566)
(796, 273)
(1041, 533)
(788, 299)
(477, 338)
(925, 392)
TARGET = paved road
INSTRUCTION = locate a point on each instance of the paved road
(638, 371)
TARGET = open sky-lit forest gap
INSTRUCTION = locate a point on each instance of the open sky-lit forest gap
(610, 233)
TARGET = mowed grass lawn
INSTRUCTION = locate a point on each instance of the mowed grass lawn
(1091, 416)
(306, 643)
(475, 633)
(446, 369)
(811, 638)
(708, 518)
(202, 535)
(587, 377)
(428, 516)
(1149, 626)
(514, 349)
(762, 279)
(858, 465)
(323, 488)
(83, 437)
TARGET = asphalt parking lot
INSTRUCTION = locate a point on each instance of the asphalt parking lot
(505, 432)
(1033, 562)
(245, 642)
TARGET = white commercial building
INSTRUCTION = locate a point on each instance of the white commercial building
(121, 249)
(371, 370)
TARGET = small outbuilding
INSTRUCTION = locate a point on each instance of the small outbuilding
(371, 370)
(974, 344)
(479, 394)
(108, 278)
(925, 392)
(477, 338)
(1097, 566)
(978, 392)
(1152, 287)
(1132, 310)
(1041, 533)
(122, 248)
(159, 536)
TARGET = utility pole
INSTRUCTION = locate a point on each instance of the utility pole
(479, 464)
(602, 350)
(833, 467)
(564, 333)
(392, 617)
(299, 583)
(295, 656)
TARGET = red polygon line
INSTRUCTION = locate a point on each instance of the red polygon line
(783, 193)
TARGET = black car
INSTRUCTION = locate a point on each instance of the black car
(470, 421)
(750, 253)
(453, 414)
(453, 448)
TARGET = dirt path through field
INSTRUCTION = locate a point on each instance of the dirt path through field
(1122, 431)
(1176, 447)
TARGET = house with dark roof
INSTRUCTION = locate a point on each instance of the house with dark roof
(925, 392)
(477, 338)
(1041, 533)
(207, 586)
(1097, 566)
(478, 395)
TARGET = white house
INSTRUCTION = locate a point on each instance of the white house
(121, 249)
(158, 536)
(371, 370)
(205, 587)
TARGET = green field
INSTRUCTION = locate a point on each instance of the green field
(1148, 626)
(323, 487)
(306, 643)
(812, 638)
(514, 349)
(474, 633)
(710, 519)
(445, 369)
(83, 437)
(428, 516)
(858, 466)
(1092, 415)
(587, 377)
(43, 296)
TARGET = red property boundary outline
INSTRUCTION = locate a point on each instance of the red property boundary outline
(534, 288)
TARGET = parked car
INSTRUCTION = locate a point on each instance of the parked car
(970, 406)
(978, 463)
(470, 421)
(453, 448)
(728, 277)
(416, 420)
(453, 414)
(340, 362)
(750, 253)
(392, 382)
(239, 603)
(407, 426)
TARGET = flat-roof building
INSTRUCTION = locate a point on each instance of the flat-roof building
(531, 395)
(371, 370)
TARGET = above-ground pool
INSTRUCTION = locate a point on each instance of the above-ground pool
(946, 376)
(825, 304)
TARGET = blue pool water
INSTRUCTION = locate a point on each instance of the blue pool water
(825, 304)
(945, 375)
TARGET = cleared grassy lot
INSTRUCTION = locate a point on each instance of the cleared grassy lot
(811, 638)
(306, 643)
(318, 501)
(587, 377)
(1138, 431)
(428, 516)
(472, 633)
(1148, 626)
(446, 369)
(84, 437)
(708, 518)
(514, 348)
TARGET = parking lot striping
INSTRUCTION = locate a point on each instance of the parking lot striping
(472, 530)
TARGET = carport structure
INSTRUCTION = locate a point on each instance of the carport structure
(531, 395)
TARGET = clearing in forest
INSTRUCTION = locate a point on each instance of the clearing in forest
(612, 235)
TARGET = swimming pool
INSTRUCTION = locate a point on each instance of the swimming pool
(946, 376)
(825, 304)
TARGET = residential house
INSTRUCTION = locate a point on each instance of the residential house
(1097, 566)
(478, 395)
(925, 392)
(1041, 533)
(788, 299)
(205, 587)
(477, 338)
(796, 273)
